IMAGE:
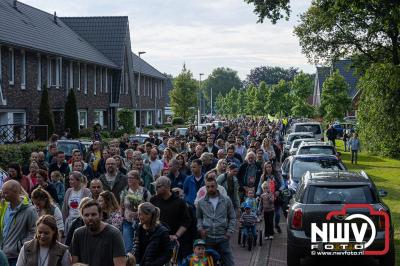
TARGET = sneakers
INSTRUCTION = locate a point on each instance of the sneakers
(278, 229)
(266, 238)
(269, 237)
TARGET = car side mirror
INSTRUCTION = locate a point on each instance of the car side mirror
(382, 193)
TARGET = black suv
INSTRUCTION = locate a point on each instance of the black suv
(321, 193)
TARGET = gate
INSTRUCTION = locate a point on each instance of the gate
(21, 133)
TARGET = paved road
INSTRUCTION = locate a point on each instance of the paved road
(273, 253)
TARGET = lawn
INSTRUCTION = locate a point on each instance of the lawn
(386, 175)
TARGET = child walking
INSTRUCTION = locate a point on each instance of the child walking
(267, 208)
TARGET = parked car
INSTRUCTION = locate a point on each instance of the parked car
(313, 127)
(67, 146)
(294, 167)
(323, 148)
(323, 192)
(341, 127)
(141, 138)
(182, 131)
(293, 136)
(296, 143)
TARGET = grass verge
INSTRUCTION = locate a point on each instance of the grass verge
(386, 174)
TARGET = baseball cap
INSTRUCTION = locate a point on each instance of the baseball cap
(247, 206)
(199, 242)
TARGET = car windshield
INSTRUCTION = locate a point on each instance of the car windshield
(301, 166)
(324, 150)
(340, 195)
(316, 129)
(294, 137)
(67, 148)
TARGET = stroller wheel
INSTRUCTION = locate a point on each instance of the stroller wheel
(260, 237)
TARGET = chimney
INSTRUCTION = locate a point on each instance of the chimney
(55, 17)
(15, 4)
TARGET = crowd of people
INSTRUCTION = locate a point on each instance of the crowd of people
(173, 199)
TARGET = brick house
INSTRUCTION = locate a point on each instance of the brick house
(91, 55)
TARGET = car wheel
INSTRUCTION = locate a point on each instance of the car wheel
(292, 257)
(389, 258)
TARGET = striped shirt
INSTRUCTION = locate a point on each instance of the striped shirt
(249, 218)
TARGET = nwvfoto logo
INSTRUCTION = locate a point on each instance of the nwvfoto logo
(336, 236)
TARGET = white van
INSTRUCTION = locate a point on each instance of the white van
(313, 127)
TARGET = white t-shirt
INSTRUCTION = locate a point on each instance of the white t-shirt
(59, 219)
(156, 167)
(73, 202)
(65, 261)
(214, 202)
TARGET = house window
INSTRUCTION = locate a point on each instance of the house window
(85, 79)
(99, 117)
(19, 118)
(149, 118)
(55, 70)
(95, 81)
(82, 118)
(23, 70)
(11, 66)
(39, 73)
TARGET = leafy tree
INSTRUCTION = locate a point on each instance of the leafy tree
(279, 101)
(220, 104)
(270, 75)
(251, 94)
(45, 113)
(231, 102)
(366, 30)
(272, 10)
(334, 99)
(184, 94)
(221, 80)
(71, 115)
(241, 101)
(301, 90)
(379, 110)
(125, 120)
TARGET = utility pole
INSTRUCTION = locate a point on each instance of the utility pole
(200, 96)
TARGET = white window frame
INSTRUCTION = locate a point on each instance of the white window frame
(79, 76)
(11, 79)
(85, 79)
(101, 117)
(86, 117)
(39, 72)
(106, 80)
(101, 80)
(23, 70)
(58, 72)
(2, 100)
(149, 116)
(71, 75)
(94, 80)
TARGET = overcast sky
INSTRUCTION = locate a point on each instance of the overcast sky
(204, 34)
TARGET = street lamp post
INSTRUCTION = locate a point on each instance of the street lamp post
(199, 110)
(140, 103)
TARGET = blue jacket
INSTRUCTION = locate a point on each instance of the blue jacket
(190, 189)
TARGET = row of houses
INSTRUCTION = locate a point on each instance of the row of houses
(90, 55)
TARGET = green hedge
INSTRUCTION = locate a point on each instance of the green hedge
(19, 153)
(178, 121)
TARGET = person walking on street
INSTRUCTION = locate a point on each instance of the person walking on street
(44, 249)
(97, 243)
(331, 134)
(345, 140)
(216, 220)
(355, 147)
(113, 180)
(18, 218)
(152, 241)
(229, 181)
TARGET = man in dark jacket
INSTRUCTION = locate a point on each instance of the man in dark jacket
(112, 180)
(331, 134)
(59, 165)
(173, 210)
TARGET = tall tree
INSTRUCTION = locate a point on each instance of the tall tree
(184, 94)
(71, 115)
(272, 10)
(221, 80)
(379, 110)
(366, 30)
(279, 99)
(301, 90)
(334, 99)
(270, 75)
(220, 105)
(45, 113)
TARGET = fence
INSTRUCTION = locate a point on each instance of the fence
(22, 133)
